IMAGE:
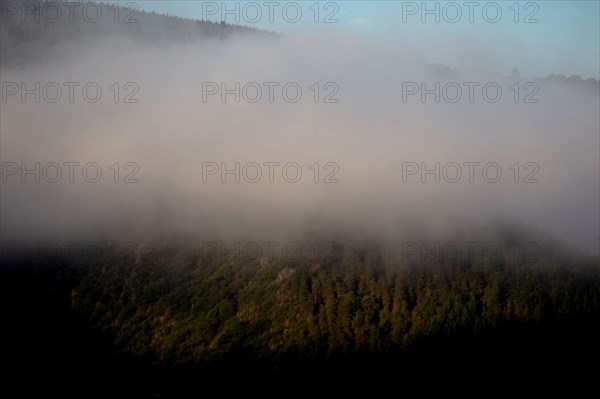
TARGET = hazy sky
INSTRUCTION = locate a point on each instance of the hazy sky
(565, 39)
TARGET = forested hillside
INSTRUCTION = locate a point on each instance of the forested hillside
(33, 31)
(346, 323)
(192, 311)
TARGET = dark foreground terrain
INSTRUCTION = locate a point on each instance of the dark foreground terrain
(168, 322)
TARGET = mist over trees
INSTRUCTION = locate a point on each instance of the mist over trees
(147, 289)
(34, 31)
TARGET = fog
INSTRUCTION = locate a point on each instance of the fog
(367, 144)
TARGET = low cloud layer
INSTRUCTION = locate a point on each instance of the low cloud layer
(361, 146)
